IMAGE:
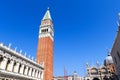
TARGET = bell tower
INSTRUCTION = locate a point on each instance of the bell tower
(46, 45)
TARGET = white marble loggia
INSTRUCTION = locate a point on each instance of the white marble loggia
(14, 64)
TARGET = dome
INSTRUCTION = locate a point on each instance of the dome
(108, 60)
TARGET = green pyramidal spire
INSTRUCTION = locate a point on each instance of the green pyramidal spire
(47, 15)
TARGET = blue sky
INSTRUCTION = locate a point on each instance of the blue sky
(83, 29)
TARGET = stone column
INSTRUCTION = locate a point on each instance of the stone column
(3, 63)
(30, 72)
(26, 70)
(33, 73)
(36, 73)
(16, 67)
(39, 74)
(10, 65)
(42, 74)
(21, 69)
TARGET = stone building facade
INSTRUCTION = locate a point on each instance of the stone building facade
(15, 66)
(100, 72)
(115, 52)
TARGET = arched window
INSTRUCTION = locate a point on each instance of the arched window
(96, 78)
(104, 70)
(94, 71)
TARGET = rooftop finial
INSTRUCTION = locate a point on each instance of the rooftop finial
(119, 20)
(1, 44)
(15, 48)
(87, 65)
(20, 51)
(119, 15)
(48, 8)
(32, 58)
(108, 51)
(9, 45)
(25, 54)
(29, 56)
(97, 63)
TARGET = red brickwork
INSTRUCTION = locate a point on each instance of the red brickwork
(45, 54)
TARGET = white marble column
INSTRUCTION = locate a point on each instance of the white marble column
(39, 74)
(3, 63)
(33, 73)
(36, 73)
(26, 70)
(10, 65)
(42, 74)
(30, 72)
(21, 69)
(16, 67)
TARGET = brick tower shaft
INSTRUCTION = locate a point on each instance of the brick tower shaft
(46, 45)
